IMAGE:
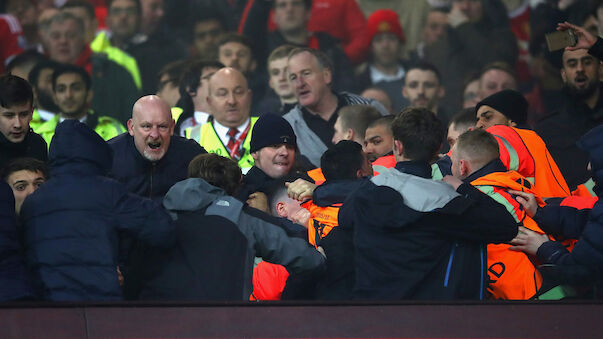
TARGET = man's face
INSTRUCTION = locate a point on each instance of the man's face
(471, 96)
(452, 135)
(494, 81)
(488, 116)
(580, 73)
(276, 160)
(379, 95)
(152, 13)
(340, 133)
(277, 69)
(203, 89)
(229, 97)
(205, 36)
(24, 183)
(71, 95)
(24, 11)
(122, 18)
(151, 126)
(168, 90)
(456, 166)
(422, 89)
(236, 55)
(471, 8)
(290, 15)
(378, 141)
(90, 24)
(435, 27)
(385, 48)
(14, 121)
(65, 41)
(43, 90)
(367, 168)
(310, 82)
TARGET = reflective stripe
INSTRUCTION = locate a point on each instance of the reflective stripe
(513, 157)
(436, 173)
(491, 192)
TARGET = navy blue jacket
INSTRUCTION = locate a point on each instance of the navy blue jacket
(415, 238)
(582, 224)
(151, 179)
(14, 282)
(72, 223)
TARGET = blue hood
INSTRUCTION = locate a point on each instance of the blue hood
(77, 149)
(592, 143)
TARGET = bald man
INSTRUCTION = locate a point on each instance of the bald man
(229, 134)
(149, 159)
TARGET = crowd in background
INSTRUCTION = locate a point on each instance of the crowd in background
(299, 149)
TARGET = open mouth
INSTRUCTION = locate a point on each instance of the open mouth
(154, 145)
(581, 80)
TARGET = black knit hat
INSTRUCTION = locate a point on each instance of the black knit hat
(271, 129)
(510, 103)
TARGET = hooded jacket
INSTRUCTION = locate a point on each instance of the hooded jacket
(415, 238)
(217, 243)
(32, 146)
(73, 222)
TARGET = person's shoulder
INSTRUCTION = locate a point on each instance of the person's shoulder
(184, 145)
(293, 113)
(119, 140)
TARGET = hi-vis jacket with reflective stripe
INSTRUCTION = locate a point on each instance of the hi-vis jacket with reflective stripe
(512, 274)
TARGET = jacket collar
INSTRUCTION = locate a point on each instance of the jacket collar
(493, 166)
(418, 168)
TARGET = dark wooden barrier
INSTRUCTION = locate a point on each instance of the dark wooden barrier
(303, 320)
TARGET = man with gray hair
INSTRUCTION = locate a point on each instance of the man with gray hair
(313, 118)
(67, 44)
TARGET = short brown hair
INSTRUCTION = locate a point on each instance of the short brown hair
(323, 59)
(358, 118)
(217, 170)
(280, 52)
(477, 146)
(420, 132)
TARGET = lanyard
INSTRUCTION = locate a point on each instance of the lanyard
(237, 144)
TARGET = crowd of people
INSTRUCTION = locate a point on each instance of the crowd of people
(251, 150)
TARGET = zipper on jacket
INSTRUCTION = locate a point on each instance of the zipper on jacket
(449, 265)
(151, 181)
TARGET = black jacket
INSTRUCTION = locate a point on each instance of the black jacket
(72, 223)
(32, 146)
(416, 238)
(151, 179)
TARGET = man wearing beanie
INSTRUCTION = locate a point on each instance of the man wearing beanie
(385, 70)
(507, 107)
(272, 147)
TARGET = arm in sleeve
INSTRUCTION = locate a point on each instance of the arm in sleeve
(356, 39)
(274, 246)
(597, 49)
(481, 217)
(144, 219)
(564, 221)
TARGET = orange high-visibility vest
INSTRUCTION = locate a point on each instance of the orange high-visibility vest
(317, 176)
(585, 189)
(269, 281)
(512, 274)
(386, 161)
(524, 151)
(322, 221)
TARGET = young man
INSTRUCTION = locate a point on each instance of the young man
(16, 110)
(423, 88)
(73, 94)
(352, 122)
(24, 176)
(281, 99)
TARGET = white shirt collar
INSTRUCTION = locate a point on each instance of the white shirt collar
(82, 120)
(222, 130)
(378, 76)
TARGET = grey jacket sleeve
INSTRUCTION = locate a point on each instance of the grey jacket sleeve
(273, 245)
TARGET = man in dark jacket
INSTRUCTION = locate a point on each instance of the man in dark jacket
(415, 238)
(13, 278)
(72, 223)
(217, 240)
(150, 159)
(16, 110)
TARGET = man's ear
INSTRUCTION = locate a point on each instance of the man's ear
(441, 92)
(404, 92)
(398, 148)
(89, 96)
(349, 134)
(464, 168)
(130, 127)
(281, 210)
(563, 76)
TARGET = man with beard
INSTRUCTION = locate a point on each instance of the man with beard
(40, 78)
(582, 111)
(149, 159)
(72, 93)
(423, 88)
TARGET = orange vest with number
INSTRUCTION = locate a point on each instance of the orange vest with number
(512, 274)
(524, 151)
(322, 221)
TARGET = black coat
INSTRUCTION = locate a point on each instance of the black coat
(432, 250)
(72, 223)
(13, 278)
(151, 179)
(32, 146)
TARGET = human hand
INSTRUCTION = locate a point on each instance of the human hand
(301, 217)
(452, 181)
(300, 189)
(456, 16)
(527, 200)
(528, 241)
(585, 39)
(258, 200)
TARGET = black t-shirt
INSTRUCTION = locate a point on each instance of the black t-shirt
(324, 129)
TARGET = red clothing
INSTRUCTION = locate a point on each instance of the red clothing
(269, 281)
(10, 30)
(83, 60)
(387, 161)
(342, 19)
